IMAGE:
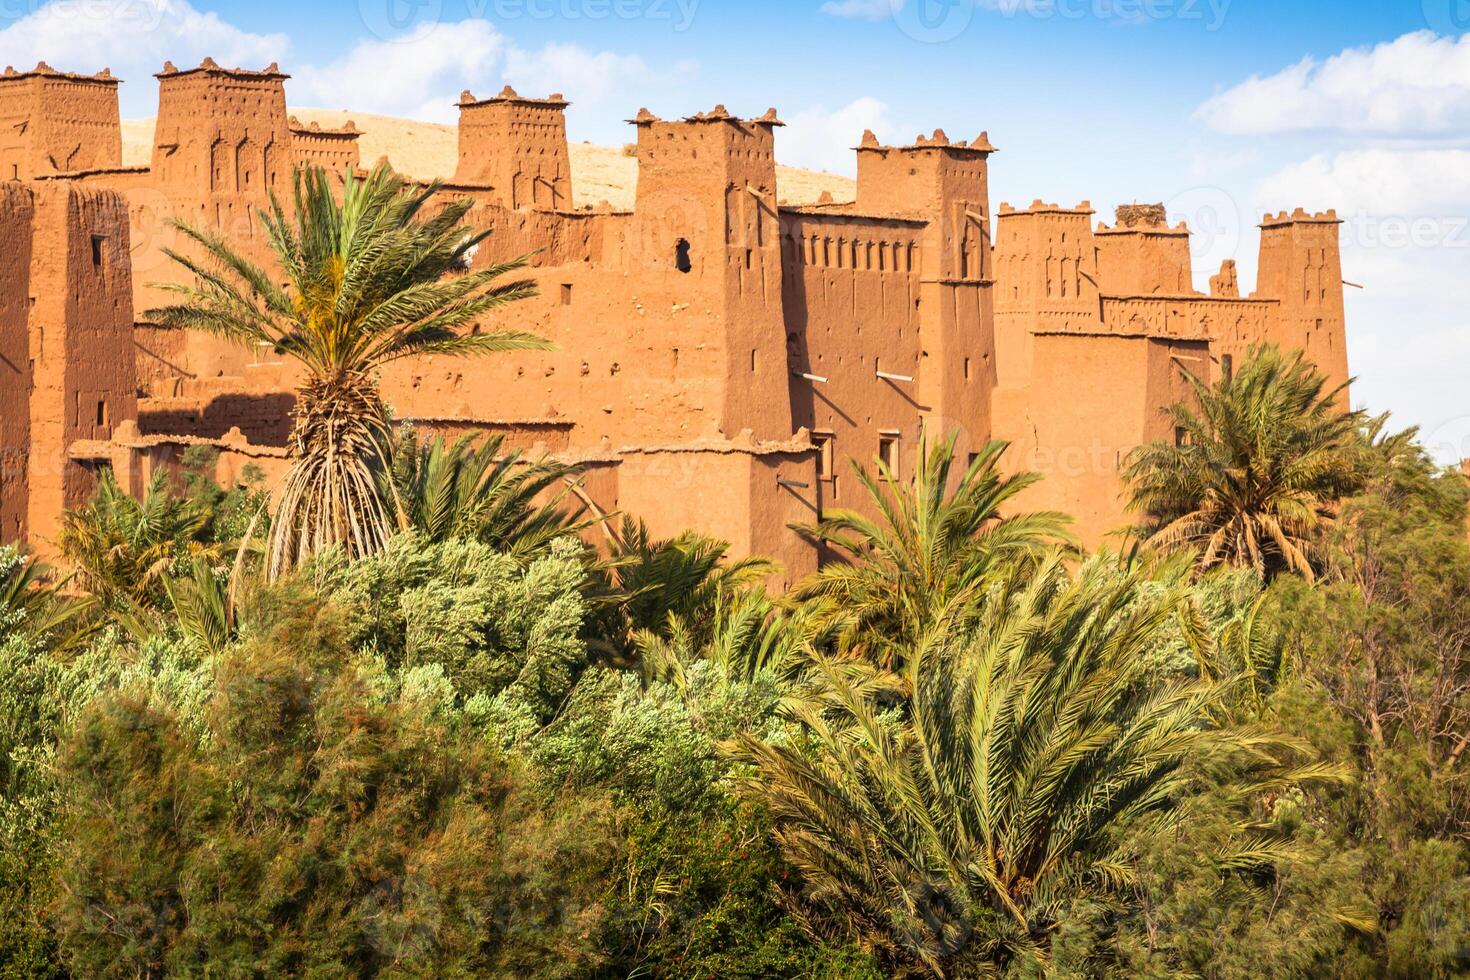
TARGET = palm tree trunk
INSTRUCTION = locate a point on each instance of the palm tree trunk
(330, 497)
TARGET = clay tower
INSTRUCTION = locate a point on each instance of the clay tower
(221, 144)
(1301, 265)
(518, 146)
(706, 227)
(78, 370)
(1142, 256)
(946, 184)
(56, 122)
(1046, 263)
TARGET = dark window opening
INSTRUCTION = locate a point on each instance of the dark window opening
(566, 294)
(824, 441)
(97, 241)
(967, 369)
(97, 469)
(102, 413)
(1181, 436)
(1227, 366)
(681, 256)
(888, 452)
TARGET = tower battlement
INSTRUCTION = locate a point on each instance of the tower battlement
(926, 177)
(334, 150)
(518, 147)
(55, 121)
(1300, 217)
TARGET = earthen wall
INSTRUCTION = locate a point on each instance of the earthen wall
(718, 356)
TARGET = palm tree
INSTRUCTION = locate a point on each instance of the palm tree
(651, 588)
(1252, 478)
(934, 544)
(123, 548)
(749, 635)
(1252, 651)
(493, 495)
(30, 602)
(953, 834)
(373, 278)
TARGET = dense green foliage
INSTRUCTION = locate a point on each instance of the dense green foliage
(963, 829)
(1255, 467)
(933, 545)
(491, 750)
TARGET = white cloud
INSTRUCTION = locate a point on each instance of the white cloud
(1378, 180)
(823, 140)
(1406, 240)
(1417, 84)
(1413, 369)
(420, 75)
(1403, 193)
(590, 76)
(133, 38)
(862, 9)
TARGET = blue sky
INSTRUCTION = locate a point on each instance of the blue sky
(1221, 108)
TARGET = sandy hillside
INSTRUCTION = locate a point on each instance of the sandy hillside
(425, 150)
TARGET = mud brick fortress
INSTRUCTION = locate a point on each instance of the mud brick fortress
(719, 356)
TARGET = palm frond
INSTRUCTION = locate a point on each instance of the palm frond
(371, 277)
